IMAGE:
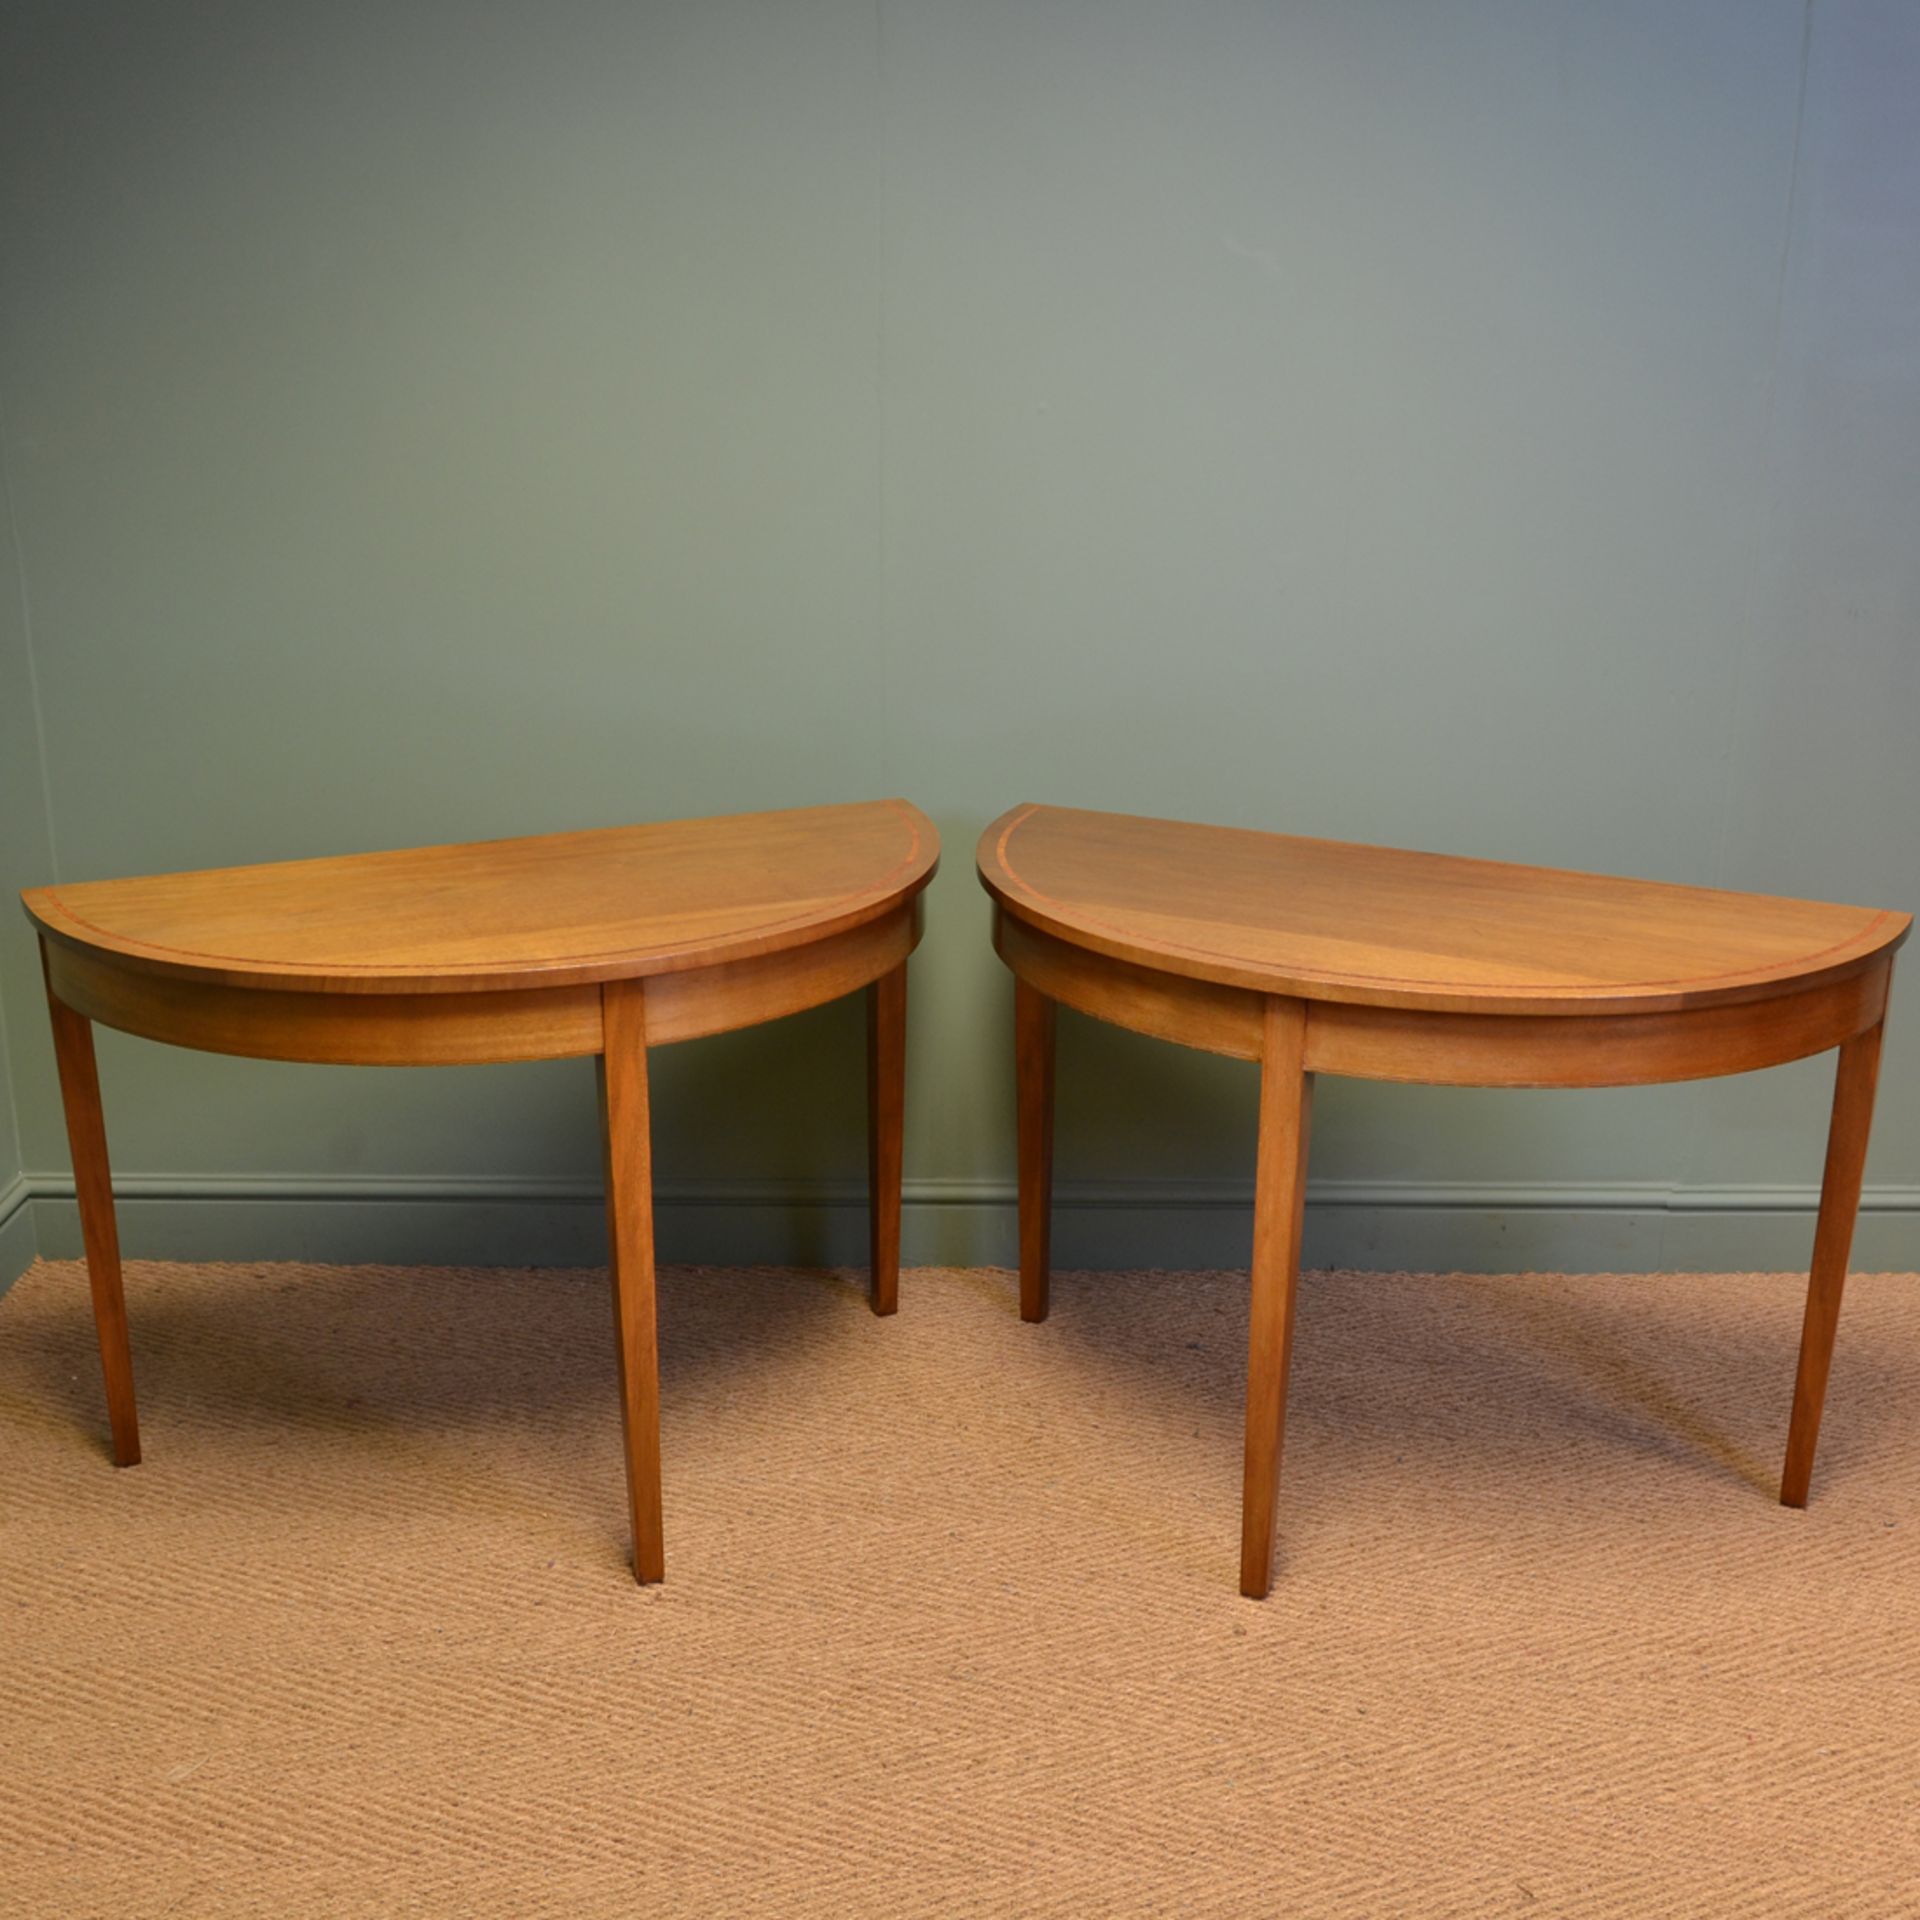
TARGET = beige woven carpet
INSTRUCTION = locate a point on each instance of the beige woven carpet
(950, 1625)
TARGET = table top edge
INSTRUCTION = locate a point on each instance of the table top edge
(1885, 932)
(54, 921)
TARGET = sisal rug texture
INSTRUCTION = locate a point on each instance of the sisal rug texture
(950, 1625)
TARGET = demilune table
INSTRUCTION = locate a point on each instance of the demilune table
(604, 943)
(1312, 956)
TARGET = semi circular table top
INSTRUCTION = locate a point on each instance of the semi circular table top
(1371, 926)
(563, 909)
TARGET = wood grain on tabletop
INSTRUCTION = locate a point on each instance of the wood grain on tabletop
(549, 910)
(1327, 920)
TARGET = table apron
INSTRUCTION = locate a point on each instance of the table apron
(1590, 1050)
(455, 1029)
(1454, 1049)
(1169, 1006)
(686, 1006)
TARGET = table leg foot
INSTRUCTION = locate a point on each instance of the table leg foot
(1286, 1097)
(1853, 1088)
(93, 1189)
(626, 1138)
(1033, 1029)
(886, 1128)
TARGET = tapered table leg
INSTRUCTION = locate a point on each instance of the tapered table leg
(626, 1136)
(99, 1233)
(1853, 1087)
(1033, 1024)
(886, 1126)
(1280, 1190)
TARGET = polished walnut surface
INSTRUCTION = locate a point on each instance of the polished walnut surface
(1330, 921)
(552, 910)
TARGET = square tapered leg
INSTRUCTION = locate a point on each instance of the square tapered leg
(1286, 1096)
(626, 1137)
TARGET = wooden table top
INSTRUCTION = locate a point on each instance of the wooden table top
(554, 910)
(1325, 920)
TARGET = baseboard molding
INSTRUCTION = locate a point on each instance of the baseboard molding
(1367, 1224)
(18, 1242)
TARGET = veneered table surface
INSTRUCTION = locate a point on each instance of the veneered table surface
(1330, 920)
(550, 910)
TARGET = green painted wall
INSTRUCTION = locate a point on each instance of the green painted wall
(22, 851)
(17, 1243)
(1482, 426)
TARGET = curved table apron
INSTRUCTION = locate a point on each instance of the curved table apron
(384, 1029)
(1060, 954)
(421, 1011)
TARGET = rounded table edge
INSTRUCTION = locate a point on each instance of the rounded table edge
(1446, 1046)
(1586, 1003)
(43, 910)
(523, 1023)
